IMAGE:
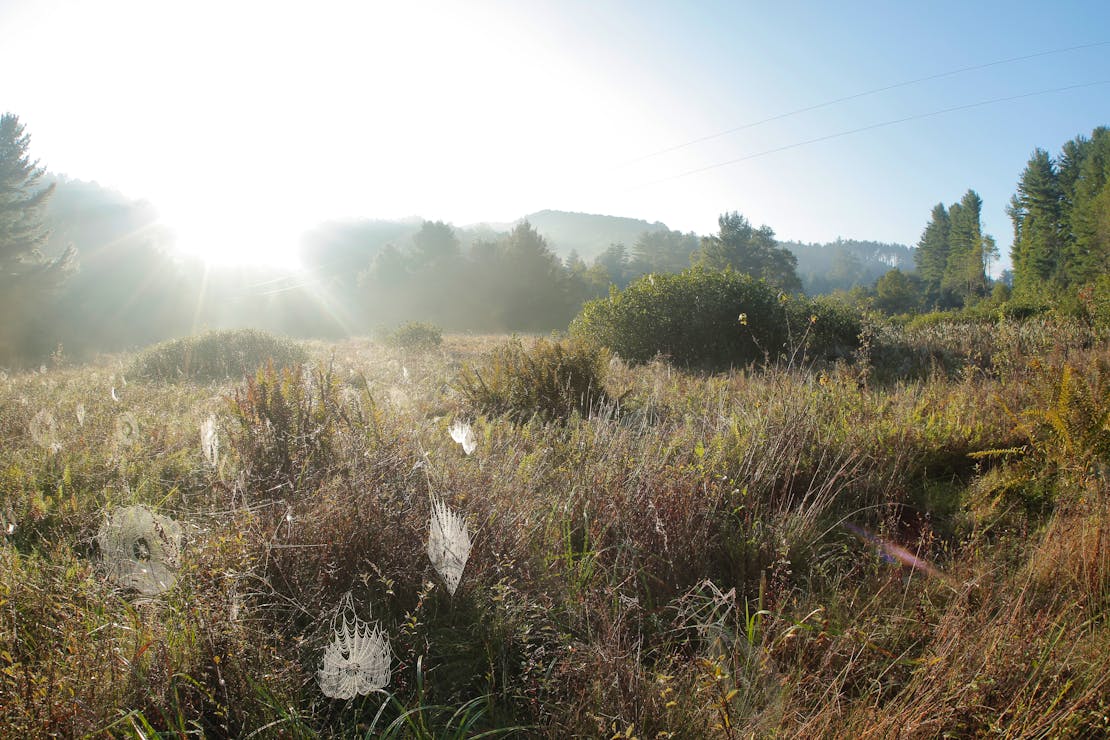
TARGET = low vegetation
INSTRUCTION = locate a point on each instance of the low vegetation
(214, 356)
(550, 380)
(910, 543)
(715, 319)
(417, 335)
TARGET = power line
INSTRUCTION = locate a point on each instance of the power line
(865, 93)
(893, 122)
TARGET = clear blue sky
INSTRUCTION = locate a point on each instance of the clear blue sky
(247, 122)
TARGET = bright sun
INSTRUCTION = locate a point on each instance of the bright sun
(222, 236)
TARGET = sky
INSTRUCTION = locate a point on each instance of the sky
(247, 123)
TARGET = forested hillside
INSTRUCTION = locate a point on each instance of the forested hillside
(107, 275)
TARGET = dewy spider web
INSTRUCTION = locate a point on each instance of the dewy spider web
(357, 660)
(448, 544)
(210, 441)
(140, 550)
(463, 434)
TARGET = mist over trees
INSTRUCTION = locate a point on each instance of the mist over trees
(846, 263)
(27, 276)
(86, 268)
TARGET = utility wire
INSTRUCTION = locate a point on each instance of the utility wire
(865, 93)
(872, 126)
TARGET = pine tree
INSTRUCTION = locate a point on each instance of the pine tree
(1087, 254)
(963, 272)
(26, 276)
(1036, 211)
(743, 248)
(932, 253)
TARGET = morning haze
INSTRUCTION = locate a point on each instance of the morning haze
(554, 369)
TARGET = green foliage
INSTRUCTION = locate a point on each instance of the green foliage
(216, 355)
(1068, 427)
(1061, 226)
(25, 275)
(286, 427)
(740, 246)
(953, 254)
(551, 380)
(418, 335)
(896, 292)
(964, 274)
(846, 263)
(932, 252)
(713, 319)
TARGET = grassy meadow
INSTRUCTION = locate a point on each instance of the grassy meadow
(912, 543)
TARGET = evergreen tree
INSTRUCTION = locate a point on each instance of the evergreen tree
(897, 292)
(1036, 212)
(931, 256)
(26, 276)
(963, 271)
(743, 248)
(1087, 255)
(435, 244)
(534, 294)
(616, 263)
(665, 250)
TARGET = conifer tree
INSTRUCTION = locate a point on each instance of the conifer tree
(963, 271)
(1087, 255)
(932, 253)
(1036, 211)
(26, 276)
(744, 248)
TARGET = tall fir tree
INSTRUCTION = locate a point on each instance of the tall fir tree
(1087, 253)
(1036, 212)
(26, 276)
(932, 254)
(963, 271)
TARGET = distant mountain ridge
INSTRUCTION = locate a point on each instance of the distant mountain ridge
(588, 234)
(347, 247)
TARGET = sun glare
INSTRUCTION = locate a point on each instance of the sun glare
(220, 237)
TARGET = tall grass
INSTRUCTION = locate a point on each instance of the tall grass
(684, 563)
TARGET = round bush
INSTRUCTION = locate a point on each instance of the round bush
(712, 319)
(416, 335)
(216, 355)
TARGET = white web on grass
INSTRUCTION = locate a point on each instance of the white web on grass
(140, 550)
(357, 660)
(81, 414)
(462, 433)
(44, 430)
(127, 429)
(210, 441)
(448, 544)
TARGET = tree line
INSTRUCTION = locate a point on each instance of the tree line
(124, 286)
(1061, 247)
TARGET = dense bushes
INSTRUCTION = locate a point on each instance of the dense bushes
(713, 319)
(216, 355)
(551, 380)
(416, 335)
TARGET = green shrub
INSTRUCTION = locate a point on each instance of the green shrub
(416, 335)
(823, 329)
(712, 319)
(551, 380)
(1095, 298)
(216, 355)
(287, 423)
